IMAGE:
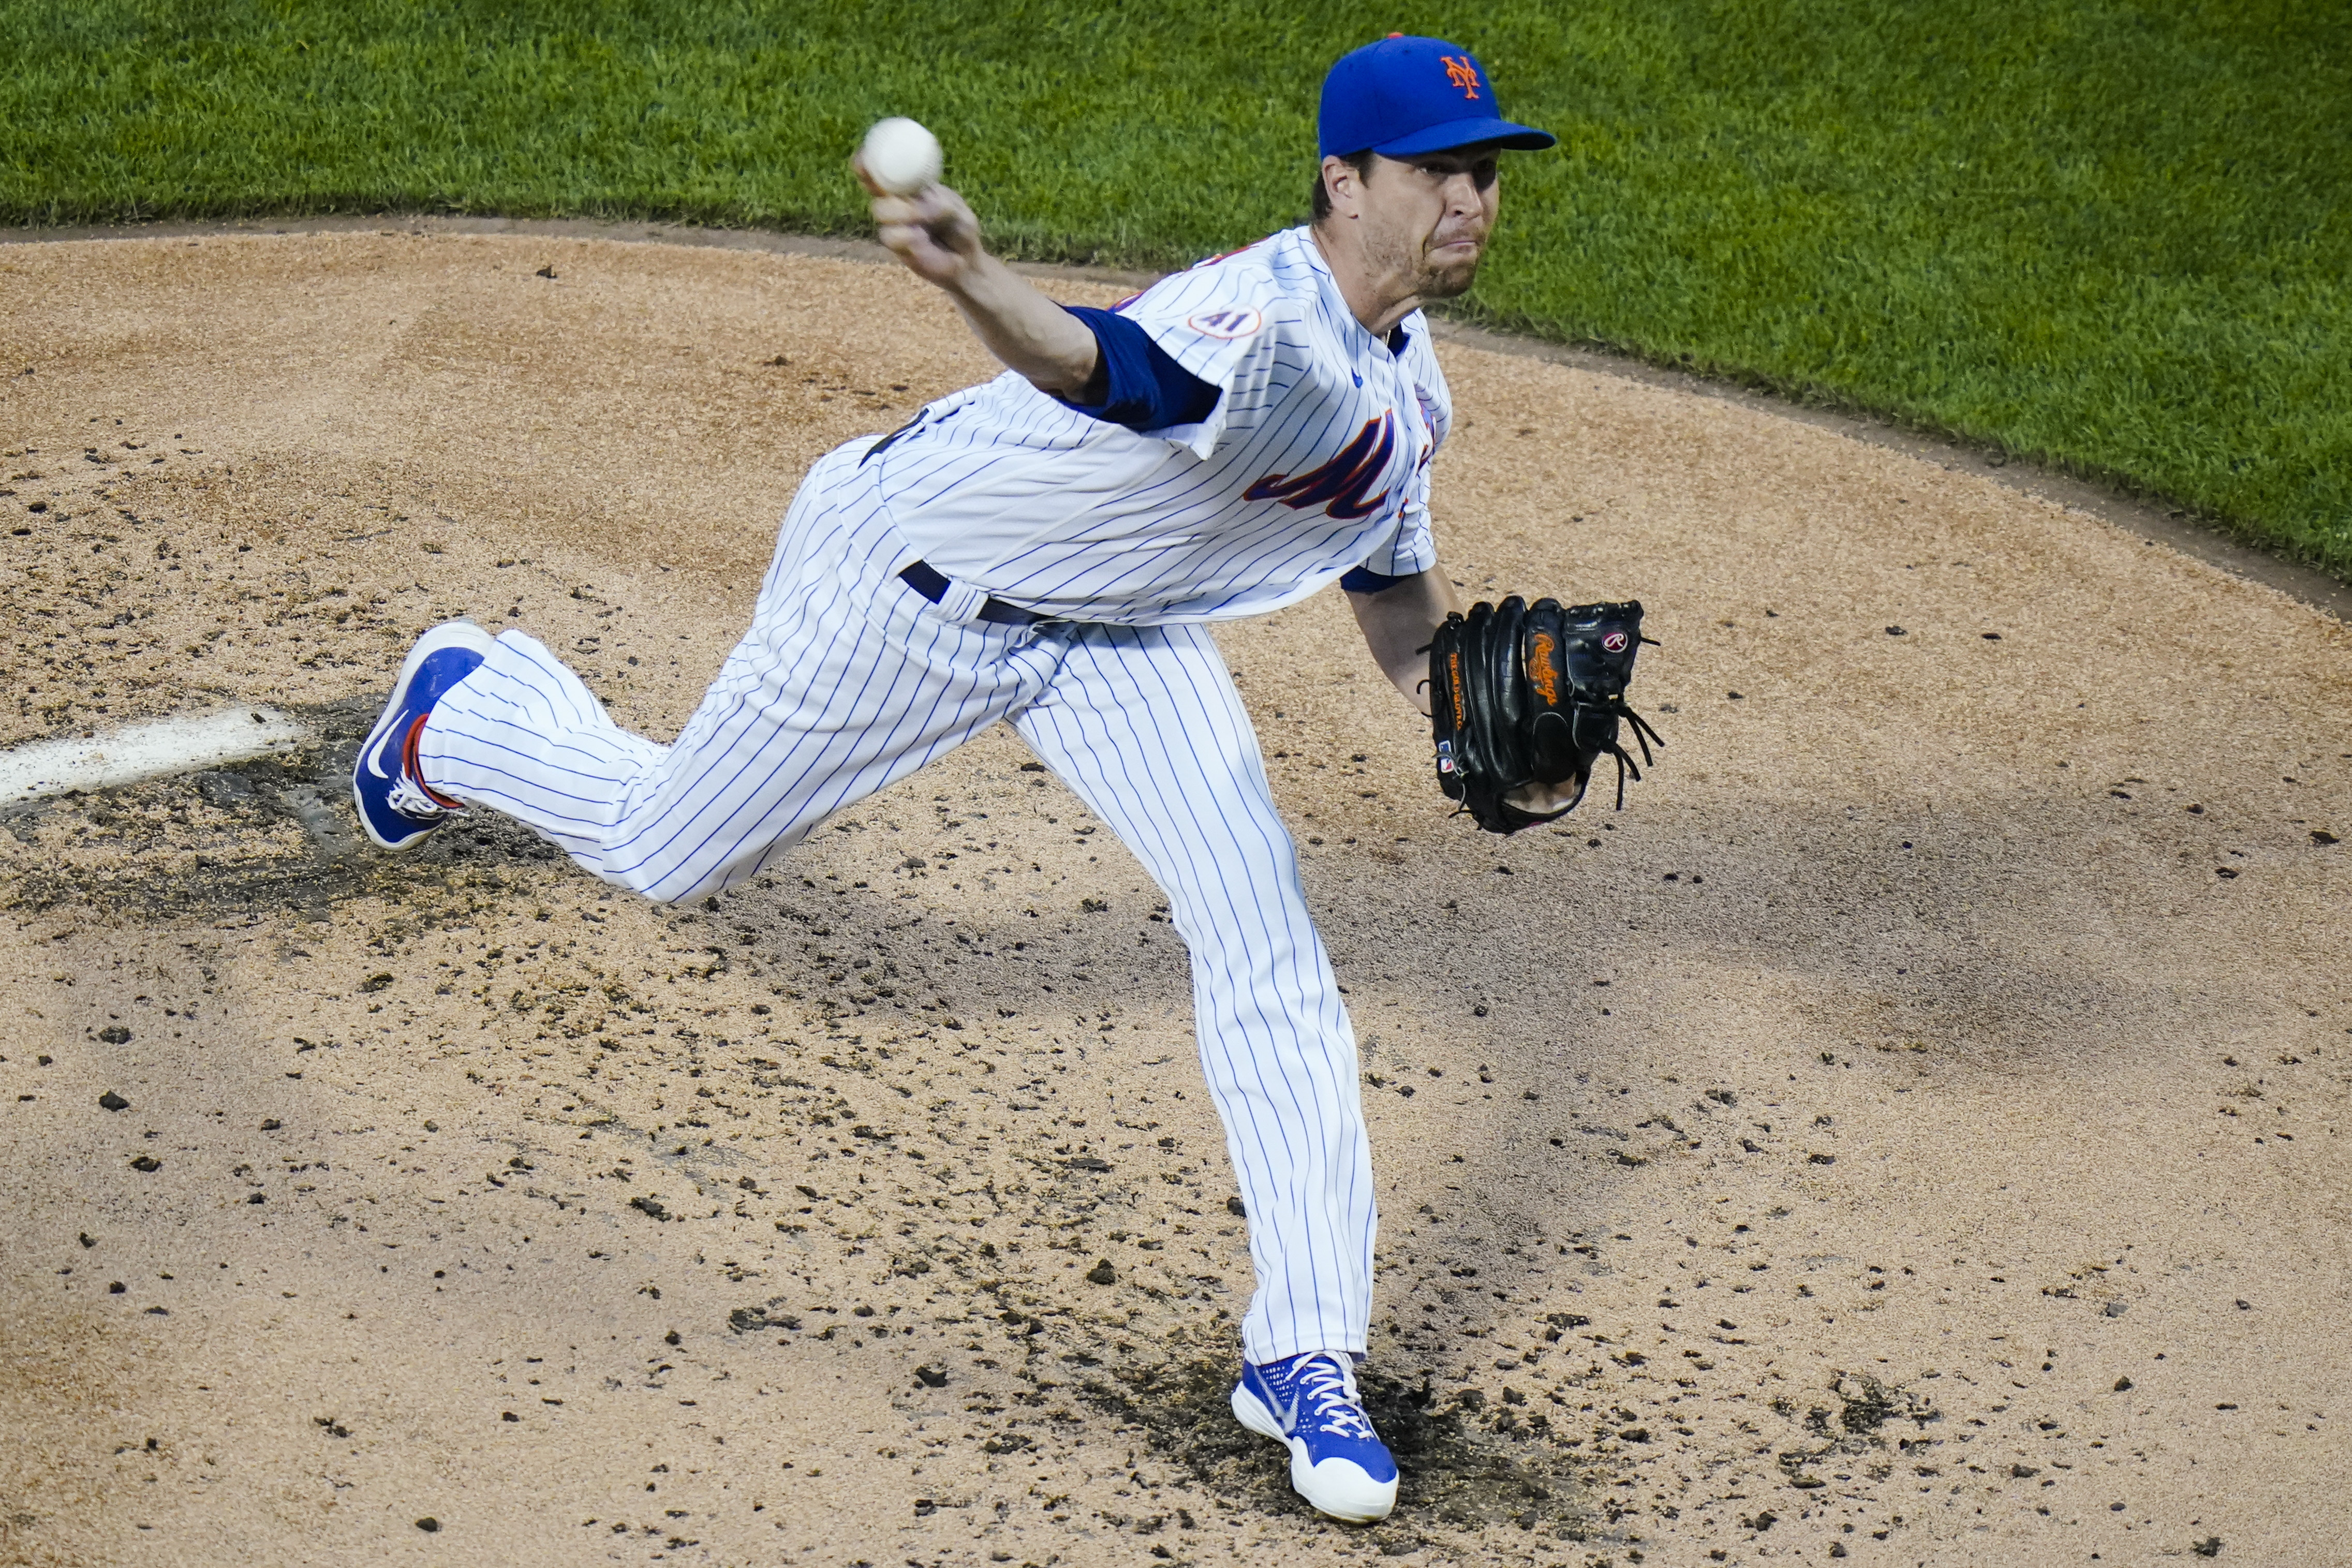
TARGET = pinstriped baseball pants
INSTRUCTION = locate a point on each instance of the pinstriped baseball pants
(847, 681)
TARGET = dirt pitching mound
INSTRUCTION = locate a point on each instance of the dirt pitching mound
(1910, 1132)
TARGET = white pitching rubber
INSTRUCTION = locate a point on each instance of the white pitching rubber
(137, 752)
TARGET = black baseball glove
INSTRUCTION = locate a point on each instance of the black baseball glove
(1523, 692)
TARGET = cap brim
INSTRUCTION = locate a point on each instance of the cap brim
(1455, 133)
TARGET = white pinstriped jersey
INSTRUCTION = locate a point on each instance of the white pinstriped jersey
(1315, 460)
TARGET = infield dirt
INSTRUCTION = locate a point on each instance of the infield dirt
(1911, 1132)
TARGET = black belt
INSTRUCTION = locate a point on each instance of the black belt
(926, 580)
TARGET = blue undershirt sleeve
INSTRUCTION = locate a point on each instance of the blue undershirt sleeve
(1145, 388)
(1363, 580)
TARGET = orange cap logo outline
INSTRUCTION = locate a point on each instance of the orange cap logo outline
(1461, 71)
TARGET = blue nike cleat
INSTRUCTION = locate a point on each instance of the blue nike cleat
(1337, 1462)
(396, 806)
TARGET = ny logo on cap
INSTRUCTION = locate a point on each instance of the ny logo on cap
(1462, 71)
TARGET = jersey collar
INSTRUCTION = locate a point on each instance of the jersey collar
(1362, 338)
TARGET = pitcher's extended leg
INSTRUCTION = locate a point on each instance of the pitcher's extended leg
(846, 681)
(1145, 725)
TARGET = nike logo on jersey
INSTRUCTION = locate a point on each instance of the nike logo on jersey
(1340, 486)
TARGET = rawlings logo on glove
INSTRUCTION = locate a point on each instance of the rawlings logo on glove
(1522, 694)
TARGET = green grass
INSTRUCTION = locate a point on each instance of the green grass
(2112, 237)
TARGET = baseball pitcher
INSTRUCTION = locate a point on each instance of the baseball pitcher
(1051, 549)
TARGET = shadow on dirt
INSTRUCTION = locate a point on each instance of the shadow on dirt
(1460, 1467)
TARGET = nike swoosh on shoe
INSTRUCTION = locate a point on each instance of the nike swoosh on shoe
(375, 758)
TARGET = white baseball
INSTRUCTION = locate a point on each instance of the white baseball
(900, 157)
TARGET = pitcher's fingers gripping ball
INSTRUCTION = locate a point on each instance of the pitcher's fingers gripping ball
(918, 220)
(932, 230)
(1524, 694)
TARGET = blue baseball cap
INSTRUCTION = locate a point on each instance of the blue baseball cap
(1406, 95)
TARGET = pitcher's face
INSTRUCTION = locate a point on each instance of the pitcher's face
(1424, 220)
